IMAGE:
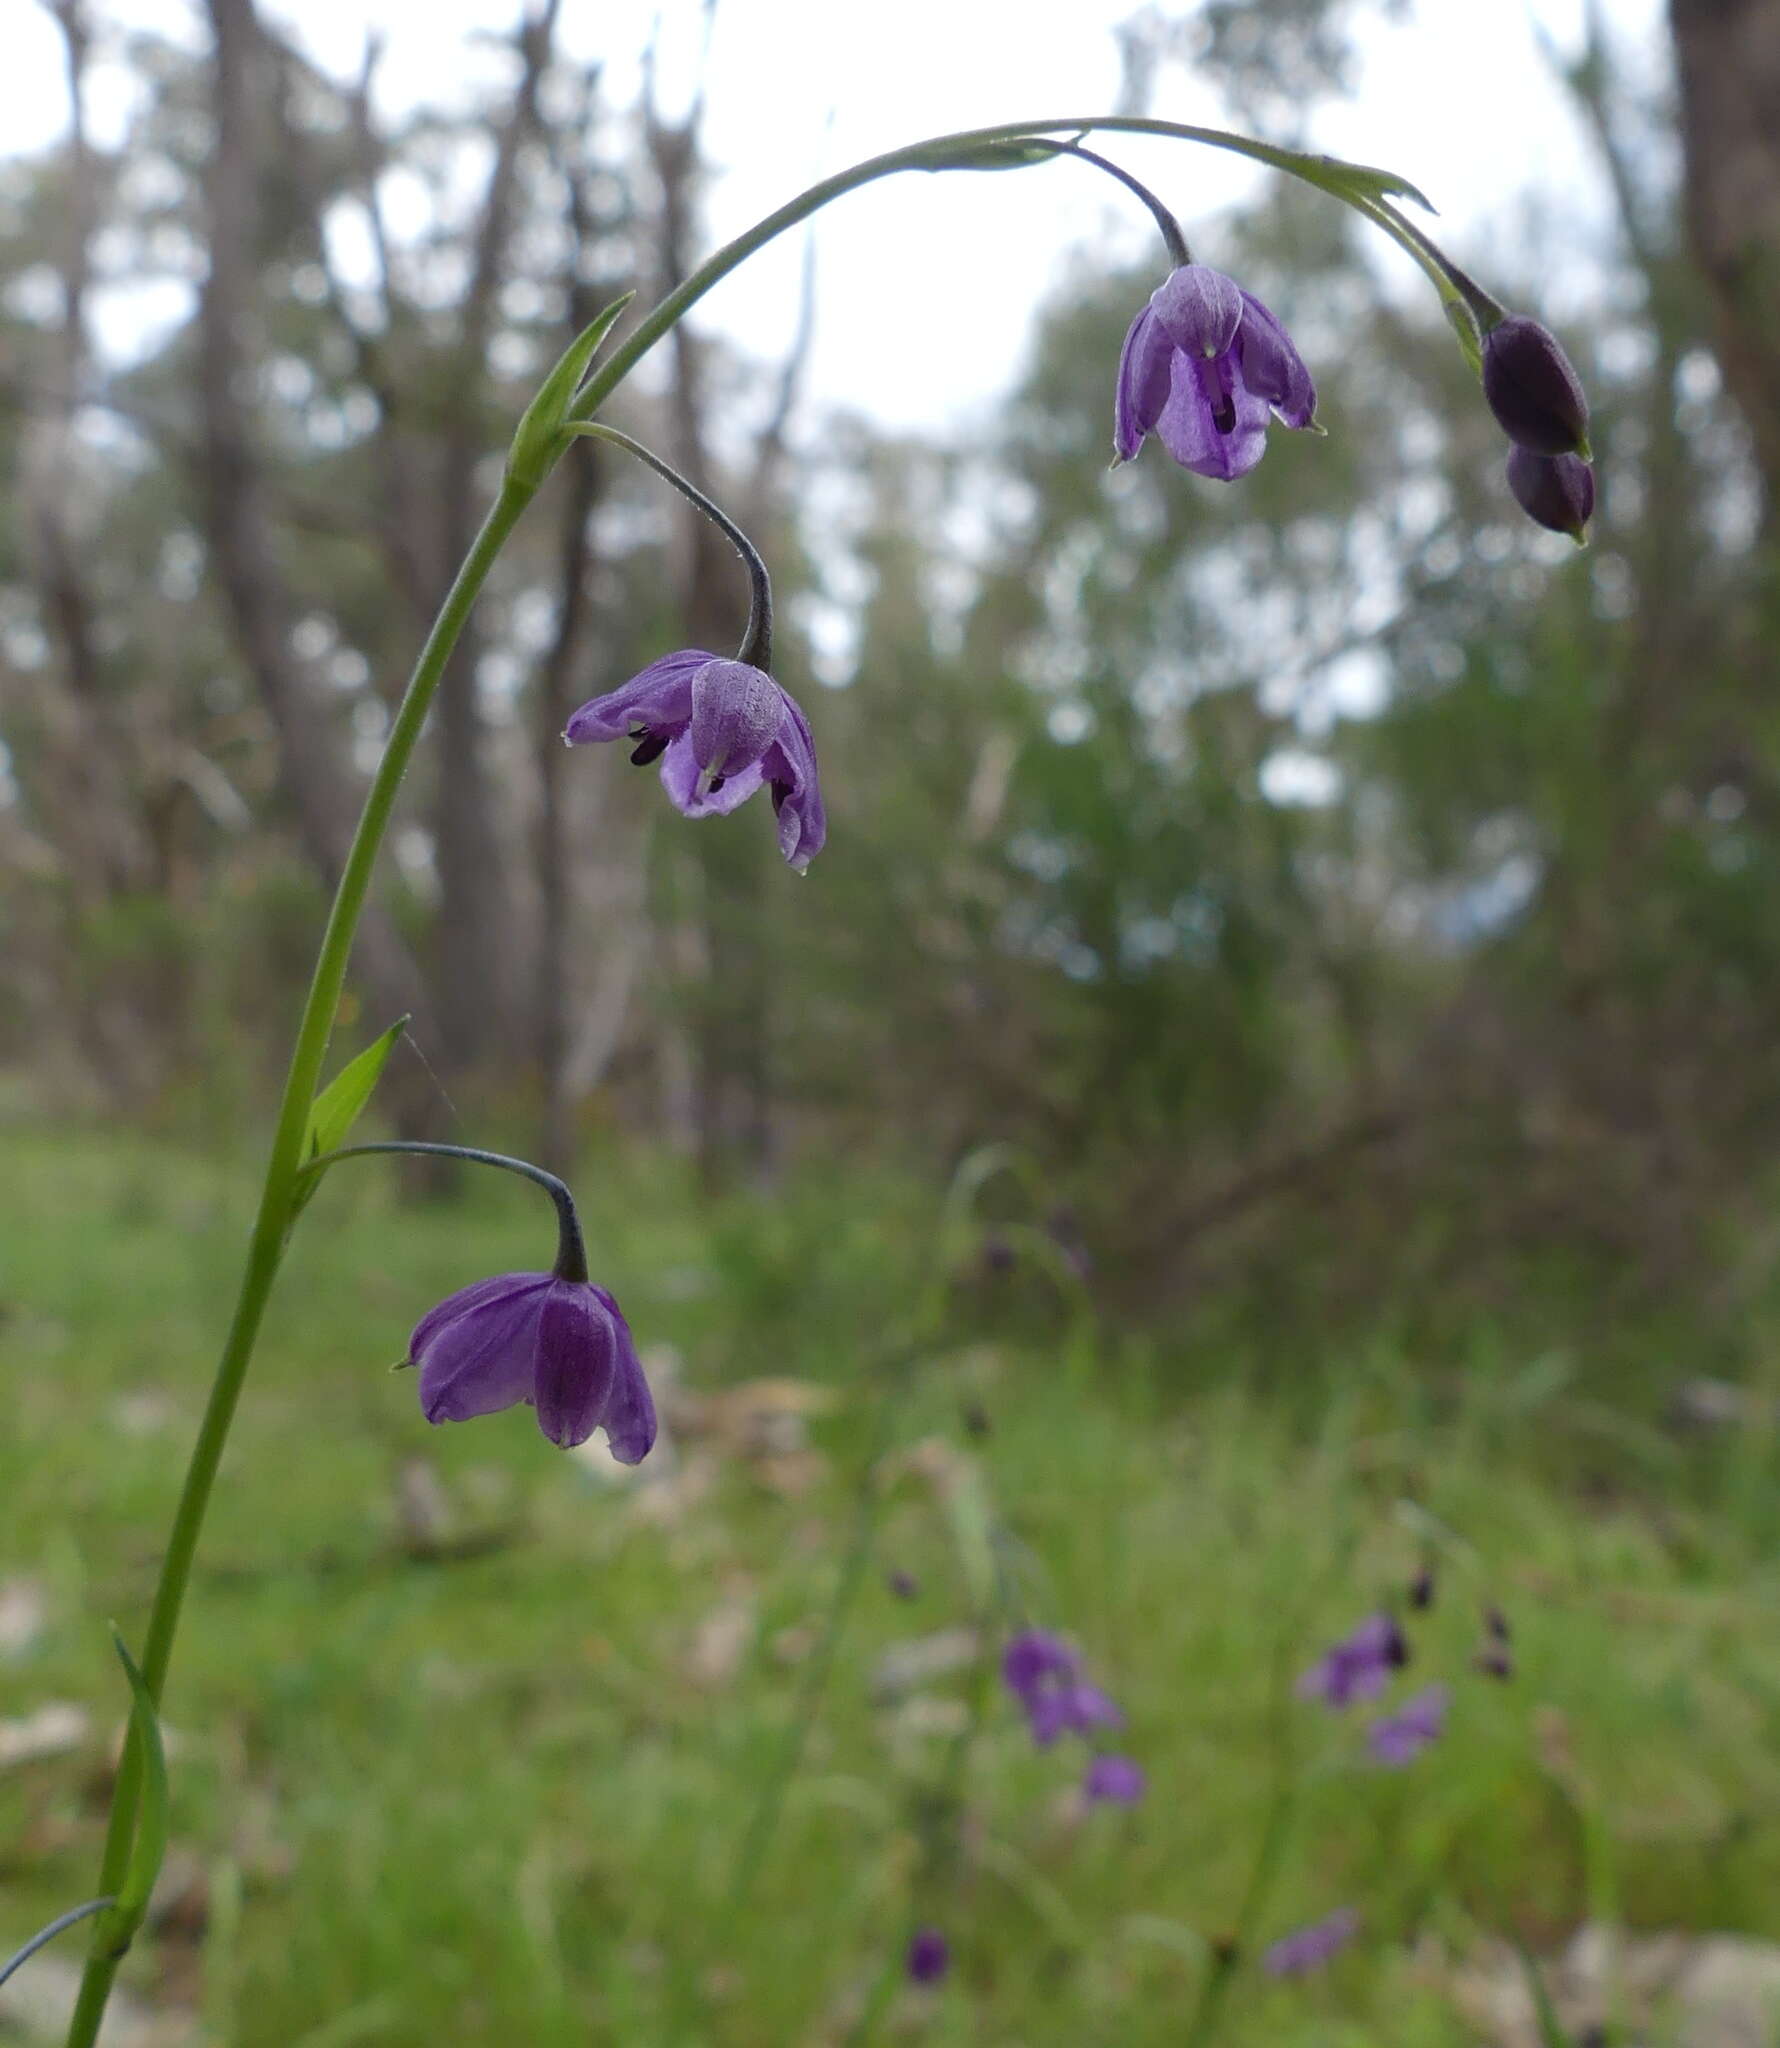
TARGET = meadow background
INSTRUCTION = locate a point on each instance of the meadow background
(1270, 1090)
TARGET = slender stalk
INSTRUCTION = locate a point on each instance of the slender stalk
(271, 1222)
(45, 1935)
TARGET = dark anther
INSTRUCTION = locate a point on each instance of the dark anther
(717, 782)
(781, 790)
(650, 747)
(1223, 414)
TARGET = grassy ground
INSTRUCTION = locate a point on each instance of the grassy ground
(467, 1738)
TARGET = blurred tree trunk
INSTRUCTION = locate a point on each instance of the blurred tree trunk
(313, 763)
(1728, 59)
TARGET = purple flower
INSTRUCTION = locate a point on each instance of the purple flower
(1044, 1675)
(1358, 1667)
(929, 1956)
(1118, 1780)
(1204, 367)
(1311, 1947)
(561, 1346)
(1556, 490)
(720, 729)
(1534, 393)
(903, 1584)
(1401, 1737)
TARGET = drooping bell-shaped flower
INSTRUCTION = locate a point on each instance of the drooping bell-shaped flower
(1399, 1738)
(1045, 1675)
(560, 1345)
(1359, 1666)
(1113, 1780)
(1205, 367)
(1309, 1948)
(721, 730)
(929, 1956)
(1556, 490)
(1532, 389)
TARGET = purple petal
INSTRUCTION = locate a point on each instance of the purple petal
(1118, 1779)
(929, 1956)
(1401, 1737)
(1213, 424)
(659, 697)
(465, 1299)
(1311, 1947)
(1199, 308)
(1033, 1656)
(681, 776)
(1272, 368)
(576, 1361)
(482, 1360)
(736, 713)
(1142, 389)
(630, 1410)
(790, 766)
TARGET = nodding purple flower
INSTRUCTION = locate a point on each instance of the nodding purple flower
(1309, 1948)
(1358, 1667)
(721, 730)
(1205, 366)
(562, 1346)
(1534, 393)
(1401, 1737)
(1558, 491)
(1045, 1675)
(929, 1956)
(1114, 1780)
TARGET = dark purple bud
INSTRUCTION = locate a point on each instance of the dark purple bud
(1313, 1946)
(1497, 1623)
(1114, 1781)
(998, 1254)
(1532, 390)
(929, 1956)
(1401, 1737)
(1494, 1663)
(1421, 1589)
(1556, 490)
(903, 1584)
(560, 1346)
(976, 1419)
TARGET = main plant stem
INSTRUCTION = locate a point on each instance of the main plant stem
(265, 1249)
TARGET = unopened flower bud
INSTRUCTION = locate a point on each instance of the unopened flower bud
(1532, 389)
(929, 1956)
(1556, 490)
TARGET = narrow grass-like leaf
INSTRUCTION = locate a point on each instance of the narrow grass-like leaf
(120, 1921)
(537, 440)
(342, 1102)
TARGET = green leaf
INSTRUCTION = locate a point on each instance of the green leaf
(967, 1508)
(341, 1103)
(990, 156)
(122, 1918)
(538, 439)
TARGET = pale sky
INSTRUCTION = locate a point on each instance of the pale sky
(1460, 99)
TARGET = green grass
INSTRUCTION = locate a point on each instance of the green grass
(499, 1799)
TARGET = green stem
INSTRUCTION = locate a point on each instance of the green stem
(266, 1246)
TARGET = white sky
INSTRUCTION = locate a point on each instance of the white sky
(1460, 99)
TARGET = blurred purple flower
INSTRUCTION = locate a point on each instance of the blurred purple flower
(1401, 1737)
(1309, 1948)
(1118, 1780)
(720, 729)
(1536, 396)
(903, 1584)
(1205, 365)
(929, 1956)
(1359, 1666)
(561, 1346)
(1044, 1675)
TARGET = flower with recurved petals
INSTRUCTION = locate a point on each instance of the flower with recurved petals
(1113, 1780)
(1359, 1666)
(721, 729)
(1313, 1946)
(1399, 1738)
(1205, 366)
(562, 1346)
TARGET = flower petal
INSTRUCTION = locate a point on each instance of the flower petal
(1213, 424)
(460, 1303)
(681, 776)
(630, 1409)
(1272, 368)
(736, 713)
(482, 1361)
(1199, 308)
(1142, 389)
(790, 766)
(658, 696)
(576, 1356)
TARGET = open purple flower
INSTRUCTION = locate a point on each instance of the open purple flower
(1399, 1738)
(929, 1956)
(1205, 366)
(1313, 1946)
(1114, 1780)
(1358, 1667)
(562, 1346)
(721, 729)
